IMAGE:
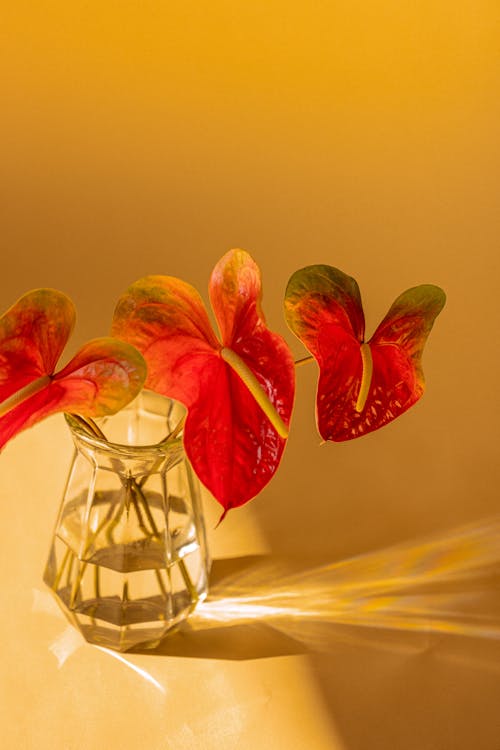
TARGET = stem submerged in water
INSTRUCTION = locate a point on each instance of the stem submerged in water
(132, 496)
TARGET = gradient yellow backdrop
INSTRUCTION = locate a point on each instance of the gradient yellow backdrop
(151, 137)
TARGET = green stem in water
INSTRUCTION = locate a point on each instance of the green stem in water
(61, 569)
(180, 562)
(137, 495)
(81, 568)
(137, 488)
(255, 388)
(171, 436)
(69, 572)
(124, 503)
(189, 584)
(159, 580)
(140, 519)
(97, 584)
(154, 529)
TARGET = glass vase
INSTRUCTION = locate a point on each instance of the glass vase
(128, 559)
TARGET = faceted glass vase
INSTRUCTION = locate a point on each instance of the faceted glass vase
(128, 559)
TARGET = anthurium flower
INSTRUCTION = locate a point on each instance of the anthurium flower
(238, 390)
(362, 385)
(102, 377)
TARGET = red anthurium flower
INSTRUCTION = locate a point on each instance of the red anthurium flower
(362, 386)
(238, 391)
(102, 377)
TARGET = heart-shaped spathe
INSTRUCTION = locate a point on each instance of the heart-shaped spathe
(238, 391)
(103, 376)
(362, 386)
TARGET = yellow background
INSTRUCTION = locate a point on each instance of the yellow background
(151, 137)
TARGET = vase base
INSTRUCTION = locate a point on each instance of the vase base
(122, 610)
(123, 638)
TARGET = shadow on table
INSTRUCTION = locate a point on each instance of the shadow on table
(402, 597)
(220, 630)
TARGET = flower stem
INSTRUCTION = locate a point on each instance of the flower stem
(134, 494)
(81, 568)
(89, 425)
(61, 569)
(97, 585)
(189, 584)
(177, 429)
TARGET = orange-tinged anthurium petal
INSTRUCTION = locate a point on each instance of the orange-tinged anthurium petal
(238, 390)
(102, 377)
(362, 385)
(33, 334)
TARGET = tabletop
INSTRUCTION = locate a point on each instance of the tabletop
(392, 648)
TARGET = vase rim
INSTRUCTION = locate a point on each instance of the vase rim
(164, 446)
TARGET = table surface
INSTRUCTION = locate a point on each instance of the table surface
(394, 648)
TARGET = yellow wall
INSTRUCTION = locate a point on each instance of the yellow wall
(151, 137)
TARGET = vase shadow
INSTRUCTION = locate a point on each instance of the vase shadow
(405, 596)
(218, 637)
